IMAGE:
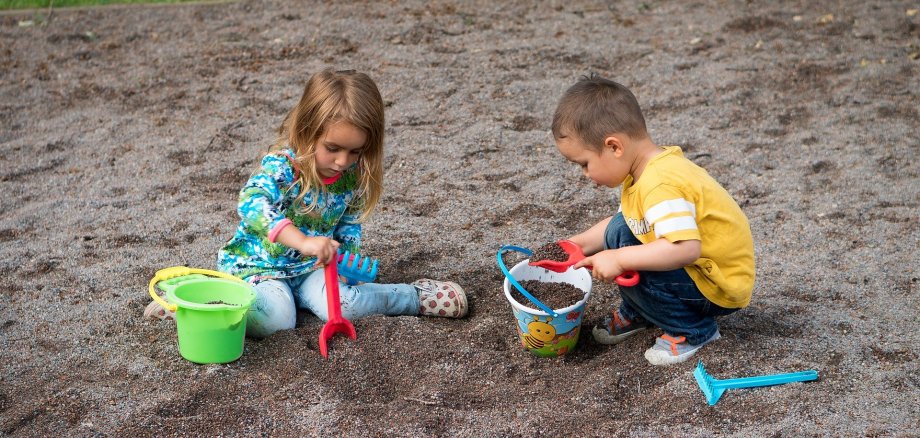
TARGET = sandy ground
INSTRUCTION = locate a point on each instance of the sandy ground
(126, 133)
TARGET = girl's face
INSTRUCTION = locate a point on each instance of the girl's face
(339, 148)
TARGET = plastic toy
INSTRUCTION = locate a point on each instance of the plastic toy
(357, 269)
(210, 312)
(627, 279)
(336, 323)
(501, 265)
(713, 388)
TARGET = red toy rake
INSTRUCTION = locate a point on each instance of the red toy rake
(335, 324)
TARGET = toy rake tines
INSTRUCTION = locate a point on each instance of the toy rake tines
(358, 268)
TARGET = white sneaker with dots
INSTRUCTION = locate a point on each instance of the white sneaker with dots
(440, 298)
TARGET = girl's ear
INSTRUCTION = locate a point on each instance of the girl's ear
(614, 144)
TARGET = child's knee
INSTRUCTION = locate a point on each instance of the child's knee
(272, 310)
(265, 321)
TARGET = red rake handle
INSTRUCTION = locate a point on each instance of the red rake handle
(333, 301)
(335, 324)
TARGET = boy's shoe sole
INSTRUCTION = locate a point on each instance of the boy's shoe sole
(601, 335)
(660, 354)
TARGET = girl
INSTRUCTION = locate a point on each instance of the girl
(322, 178)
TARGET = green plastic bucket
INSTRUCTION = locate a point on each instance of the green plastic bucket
(207, 333)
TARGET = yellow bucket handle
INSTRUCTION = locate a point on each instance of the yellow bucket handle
(182, 271)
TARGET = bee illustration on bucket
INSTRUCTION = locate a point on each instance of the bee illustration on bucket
(539, 333)
(542, 339)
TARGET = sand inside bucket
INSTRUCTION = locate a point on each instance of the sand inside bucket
(554, 295)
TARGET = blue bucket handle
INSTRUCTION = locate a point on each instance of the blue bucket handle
(501, 265)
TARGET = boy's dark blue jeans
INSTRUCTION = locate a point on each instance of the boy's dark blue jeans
(667, 299)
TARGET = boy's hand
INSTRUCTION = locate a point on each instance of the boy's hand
(605, 265)
(323, 248)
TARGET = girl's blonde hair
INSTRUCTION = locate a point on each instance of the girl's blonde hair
(330, 97)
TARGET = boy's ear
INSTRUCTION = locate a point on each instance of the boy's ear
(615, 144)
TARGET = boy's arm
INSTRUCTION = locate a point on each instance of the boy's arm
(659, 255)
(592, 240)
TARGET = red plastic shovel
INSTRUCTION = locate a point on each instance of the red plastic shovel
(335, 324)
(627, 279)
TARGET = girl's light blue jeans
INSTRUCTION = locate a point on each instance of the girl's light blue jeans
(277, 301)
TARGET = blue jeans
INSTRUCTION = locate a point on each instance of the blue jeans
(667, 299)
(277, 301)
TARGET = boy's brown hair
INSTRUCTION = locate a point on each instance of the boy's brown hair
(594, 108)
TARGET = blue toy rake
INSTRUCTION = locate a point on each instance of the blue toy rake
(713, 388)
(357, 269)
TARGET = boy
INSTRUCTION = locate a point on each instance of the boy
(676, 225)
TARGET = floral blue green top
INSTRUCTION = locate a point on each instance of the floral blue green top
(266, 205)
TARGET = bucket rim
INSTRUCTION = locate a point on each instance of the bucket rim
(521, 307)
(171, 295)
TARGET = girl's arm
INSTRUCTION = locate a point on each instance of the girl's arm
(659, 255)
(260, 201)
(260, 207)
(322, 247)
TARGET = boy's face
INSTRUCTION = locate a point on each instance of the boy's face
(605, 167)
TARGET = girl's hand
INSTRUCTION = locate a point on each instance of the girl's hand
(323, 248)
(605, 265)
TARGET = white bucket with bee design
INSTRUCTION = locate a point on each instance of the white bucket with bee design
(541, 333)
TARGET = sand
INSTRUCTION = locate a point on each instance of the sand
(125, 134)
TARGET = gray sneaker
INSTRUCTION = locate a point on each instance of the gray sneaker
(668, 349)
(616, 328)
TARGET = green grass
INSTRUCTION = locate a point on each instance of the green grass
(34, 4)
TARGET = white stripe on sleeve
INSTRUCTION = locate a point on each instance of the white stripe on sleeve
(670, 206)
(674, 224)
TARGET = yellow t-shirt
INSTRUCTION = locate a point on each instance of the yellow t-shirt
(678, 200)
